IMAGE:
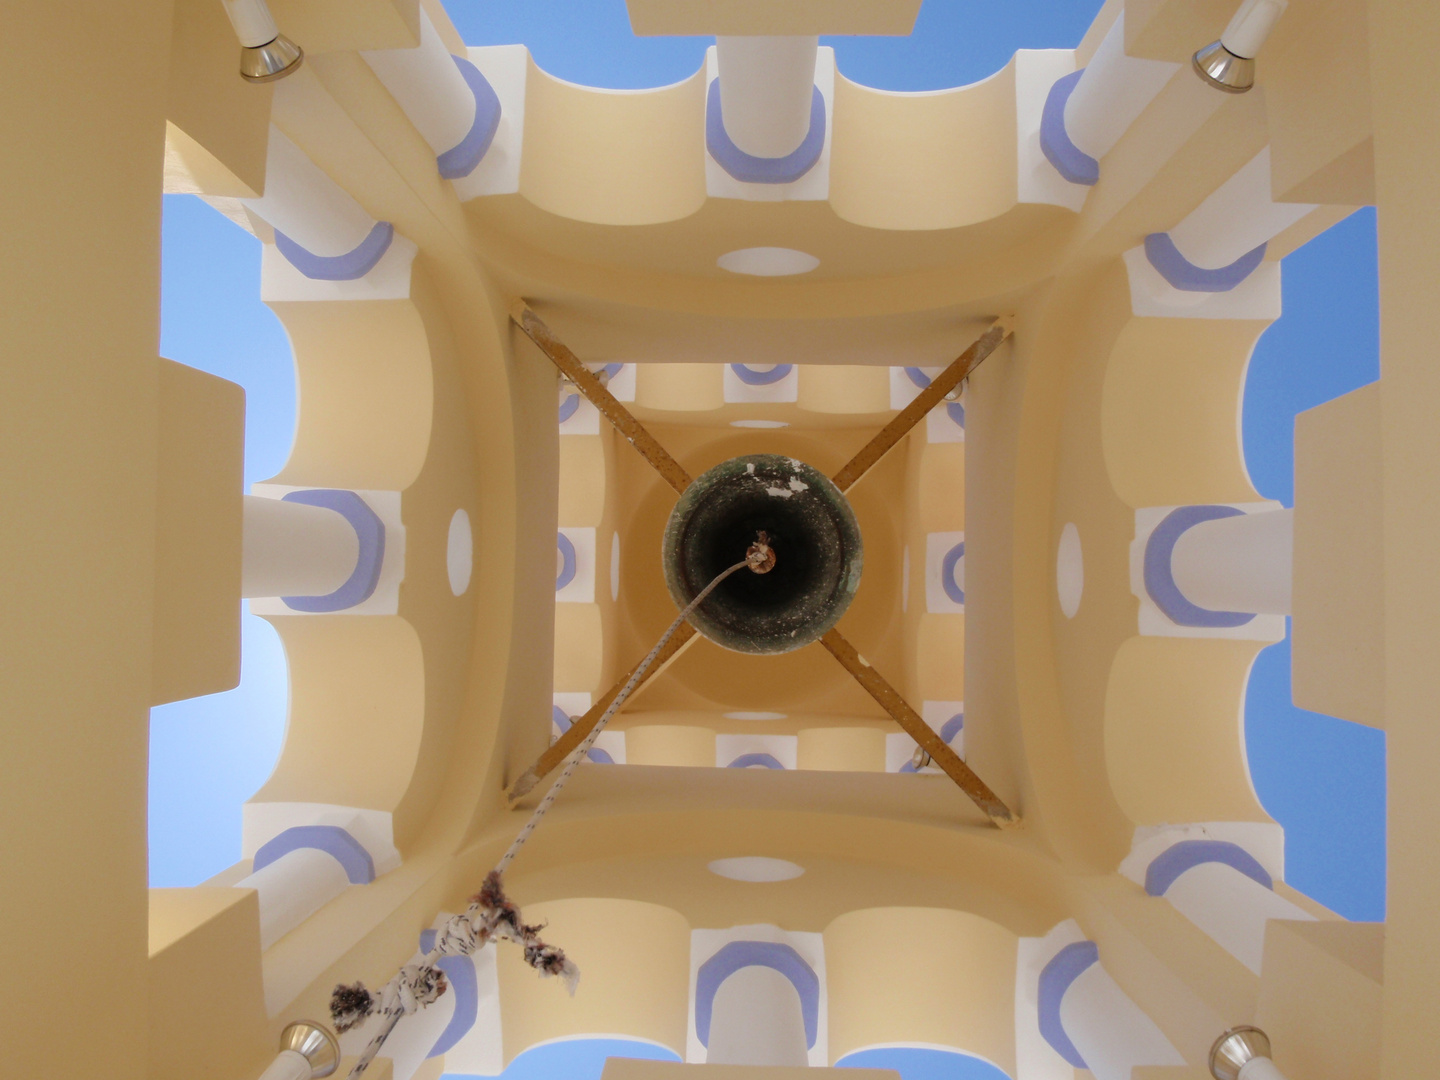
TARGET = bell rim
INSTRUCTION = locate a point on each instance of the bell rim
(847, 523)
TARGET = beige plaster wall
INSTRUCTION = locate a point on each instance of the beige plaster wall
(634, 961)
(614, 157)
(1174, 734)
(201, 458)
(908, 161)
(957, 989)
(1404, 38)
(78, 408)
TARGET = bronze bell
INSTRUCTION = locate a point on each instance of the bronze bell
(811, 530)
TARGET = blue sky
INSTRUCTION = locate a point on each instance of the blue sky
(955, 42)
(1322, 778)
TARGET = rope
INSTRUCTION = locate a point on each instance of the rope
(491, 914)
(578, 754)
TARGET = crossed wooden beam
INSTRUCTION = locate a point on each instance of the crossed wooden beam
(839, 647)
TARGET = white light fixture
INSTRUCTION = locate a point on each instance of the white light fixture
(755, 716)
(307, 1052)
(265, 53)
(1229, 64)
(1243, 1053)
(760, 423)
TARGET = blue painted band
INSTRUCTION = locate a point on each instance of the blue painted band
(1069, 160)
(757, 170)
(331, 839)
(948, 566)
(561, 720)
(750, 377)
(1055, 978)
(567, 561)
(355, 263)
(1181, 273)
(918, 377)
(462, 158)
(1160, 581)
(1188, 854)
(952, 727)
(460, 973)
(745, 761)
(735, 955)
(369, 530)
(569, 407)
(600, 757)
(957, 412)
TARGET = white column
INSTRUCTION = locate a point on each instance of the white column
(1241, 563)
(756, 1020)
(293, 888)
(1238, 217)
(766, 86)
(288, 1065)
(291, 549)
(1111, 1032)
(428, 86)
(1112, 92)
(306, 205)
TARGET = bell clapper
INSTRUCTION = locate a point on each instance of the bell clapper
(760, 556)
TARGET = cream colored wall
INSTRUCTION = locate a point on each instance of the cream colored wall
(634, 961)
(957, 988)
(365, 395)
(1337, 662)
(79, 408)
(1403, 40)
(1174, 732)
(201, 458)
(1320, 1000)
(908, 161)
(614, 157)
(206, 938)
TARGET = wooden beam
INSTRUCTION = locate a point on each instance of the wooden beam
(572, 738)
(928, 398)
(891, 701)
(625, 423)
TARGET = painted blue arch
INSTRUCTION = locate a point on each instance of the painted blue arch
(331, 839)
(918, 377)
(948, 566)
(731, 957)
(1184, 275)
(952, 727)
(353, 264)
(1069, 160)
(749, 169)
(745, 761)
(569, 407)
(369, 531)
(1188, 854)
(567, 561)
(460, 973)
(1055, 978)
(465, 156)
(750, 377)
(1160, 582)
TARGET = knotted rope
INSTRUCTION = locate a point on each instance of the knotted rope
(491, 914)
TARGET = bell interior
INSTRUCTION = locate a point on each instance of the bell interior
(809, 525)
